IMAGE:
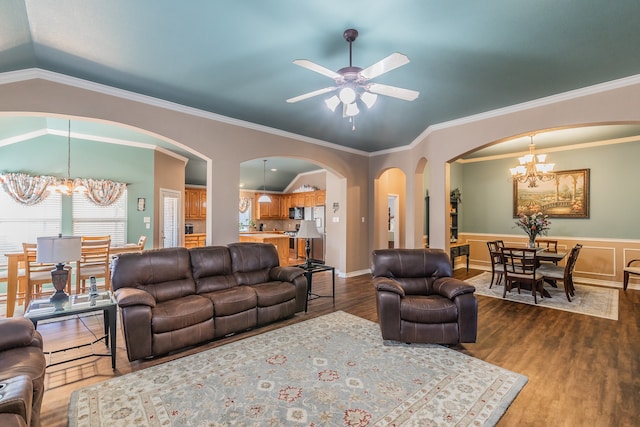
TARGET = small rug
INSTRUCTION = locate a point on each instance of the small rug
(332, 370)
(590, 300)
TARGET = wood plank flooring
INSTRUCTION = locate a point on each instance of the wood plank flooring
(583, 371)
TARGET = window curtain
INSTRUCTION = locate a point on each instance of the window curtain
(26, 189)
(103, 192)
(245, 202)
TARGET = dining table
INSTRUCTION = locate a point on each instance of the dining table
(15, 258)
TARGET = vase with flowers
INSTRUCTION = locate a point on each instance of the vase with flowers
(535, 224)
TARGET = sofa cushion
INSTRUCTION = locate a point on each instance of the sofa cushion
(211, 268)
(272, 293)
(251, 262)
(180, 313)
(164, 273)
(233, 300)
(414, 269)
(428, 309)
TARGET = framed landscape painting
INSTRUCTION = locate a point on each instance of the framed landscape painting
(564, 196)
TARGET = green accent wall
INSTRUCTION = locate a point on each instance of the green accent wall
(487, 193)
(47, 155)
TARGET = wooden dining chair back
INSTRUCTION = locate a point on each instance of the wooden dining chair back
(141, 242)
(7, 297)
(497, 267)
(520, 268)
(37, 274)
(94, 261)
(555, 272)
(550, 245)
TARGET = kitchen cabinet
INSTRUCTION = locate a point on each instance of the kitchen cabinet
(270, 210)
(309, 199)
(297, 200)
(285, 204)
(280, 241)
(195, 240)
(195, 203)
(321, 197)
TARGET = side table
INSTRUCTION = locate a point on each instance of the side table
(43, 309)
(457, 250)
(316, 268)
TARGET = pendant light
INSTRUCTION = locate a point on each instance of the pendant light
(264, 198)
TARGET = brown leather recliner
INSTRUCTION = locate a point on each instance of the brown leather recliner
(22, 368)
(418, 301)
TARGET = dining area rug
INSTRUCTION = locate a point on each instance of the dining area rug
(589, 300)
(332, 370)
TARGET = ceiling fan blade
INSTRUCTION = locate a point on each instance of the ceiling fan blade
(387, 64)
(395, 92)
(310, 94)
(304, 63)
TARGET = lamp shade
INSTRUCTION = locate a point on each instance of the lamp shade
(308, 230)
(58, 250)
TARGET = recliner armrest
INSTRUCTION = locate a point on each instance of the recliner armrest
(285, 274)
(450, 287)
(131, 296)
(388, 285)
(16, 332)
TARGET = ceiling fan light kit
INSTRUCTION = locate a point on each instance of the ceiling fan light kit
(352, 83)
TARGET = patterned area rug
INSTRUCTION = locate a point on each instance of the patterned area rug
(332, 370)
(590, 300)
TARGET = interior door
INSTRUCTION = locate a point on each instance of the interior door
(170, 202)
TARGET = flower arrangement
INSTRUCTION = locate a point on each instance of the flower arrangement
(535, 224)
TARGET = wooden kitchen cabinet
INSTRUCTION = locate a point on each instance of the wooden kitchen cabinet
(285, 204)
(297, 200)
(321, 197)
(195, 240)
(309, 199)
(270, 210)
(195, 203)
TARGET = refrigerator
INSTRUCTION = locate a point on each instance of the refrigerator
(317, 214)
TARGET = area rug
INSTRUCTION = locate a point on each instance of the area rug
(332, 370)
(590, 300)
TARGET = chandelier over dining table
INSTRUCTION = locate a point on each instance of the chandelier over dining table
(533, 168)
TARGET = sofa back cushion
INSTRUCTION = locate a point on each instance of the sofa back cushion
(414, 269)
(164, 273)
(251, 262)
(211, 268)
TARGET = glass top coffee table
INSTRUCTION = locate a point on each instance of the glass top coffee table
(43, 309)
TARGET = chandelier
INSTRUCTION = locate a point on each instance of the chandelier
(533, 168)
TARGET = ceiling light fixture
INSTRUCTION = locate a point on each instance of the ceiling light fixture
(264, 198)
(352, 86)
(67, 185)
(533, 168)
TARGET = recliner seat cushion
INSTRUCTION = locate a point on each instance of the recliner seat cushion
(234, 300)
(180, 313)
(272, 293)
(428, 309)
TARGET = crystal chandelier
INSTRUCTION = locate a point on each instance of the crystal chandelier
(533, 168)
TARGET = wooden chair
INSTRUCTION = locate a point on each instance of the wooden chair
(497, 266)
(94, 261)
(520, 269)
(550, 245)
(630, 269)
(37, 274)
(556, 272)
(141, 242)
(6, 297)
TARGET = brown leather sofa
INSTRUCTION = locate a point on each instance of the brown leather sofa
(418, 301)
(22, 367)
(176, 297)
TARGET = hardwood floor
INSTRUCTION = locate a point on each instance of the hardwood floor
(583, 370)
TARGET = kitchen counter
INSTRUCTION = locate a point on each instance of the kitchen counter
(195, 240)
(279, 240)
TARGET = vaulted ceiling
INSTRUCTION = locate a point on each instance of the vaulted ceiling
(234, 58)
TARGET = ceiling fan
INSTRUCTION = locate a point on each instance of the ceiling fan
(353, 83)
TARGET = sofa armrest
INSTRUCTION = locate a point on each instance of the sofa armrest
(16, 332)
(388, 285)
(450, 287)
(285, 274)
(16, 398)
(127, 297)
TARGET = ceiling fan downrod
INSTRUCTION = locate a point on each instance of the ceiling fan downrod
(350, 36)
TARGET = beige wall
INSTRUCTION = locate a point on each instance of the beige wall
(225, 144)
(168, 175)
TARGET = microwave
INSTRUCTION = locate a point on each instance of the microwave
(296, 213)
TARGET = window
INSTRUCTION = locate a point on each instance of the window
(90, 219)
(20, 223)
(245, 214)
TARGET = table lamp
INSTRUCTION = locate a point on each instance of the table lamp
(58, 250)
(308, 231)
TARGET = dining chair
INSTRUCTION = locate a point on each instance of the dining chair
(37, 274)
(520, 268)
(630, 269)
(549, 245)
(497, 267)
(10, 299)
(94, 262)
(141, 242)
(556, 272)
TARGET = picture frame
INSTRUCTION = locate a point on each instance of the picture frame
(141, 204)
(564, 196)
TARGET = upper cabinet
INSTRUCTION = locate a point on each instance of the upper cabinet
(270, 210)
(195, 203)
(280, 203)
